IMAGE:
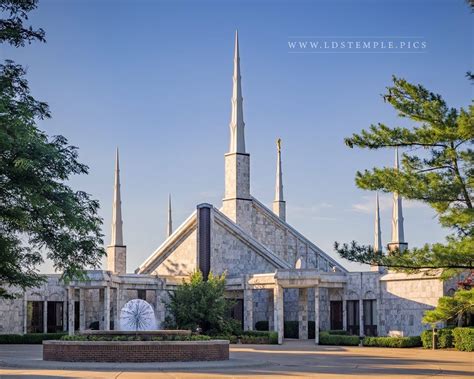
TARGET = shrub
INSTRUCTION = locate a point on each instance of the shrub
(338, 332)
(291, 329)
(252, 337)
(193, 337)
(29, 338)
(327, 339)
(200, 303)
(464, 339)
(444, 338)
(262, 325)
(414, 341)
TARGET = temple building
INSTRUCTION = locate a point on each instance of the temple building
(273, 272)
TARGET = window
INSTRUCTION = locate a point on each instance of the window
(141, 294)
(35, 317)
(353, 317)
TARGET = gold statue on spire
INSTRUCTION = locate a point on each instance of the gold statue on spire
(279, 144)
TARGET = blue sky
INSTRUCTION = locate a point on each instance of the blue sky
(154, 78)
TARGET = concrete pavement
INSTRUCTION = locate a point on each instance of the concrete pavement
(293, 359)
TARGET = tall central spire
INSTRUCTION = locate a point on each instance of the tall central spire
(237, 202)
(398, 235)
(279, 205)
(117, 233)
(237, 125)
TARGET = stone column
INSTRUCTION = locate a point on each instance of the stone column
(248, 309)
(70, 298)
(107, 308)
(82, 310)
(303, 313)
(117, 309)
(25, 313)
(45, 316)
(270, 309)
(344, 309)
(316, 315)
(65, 315)
(161, 300)
(278, 312)
(361, 317)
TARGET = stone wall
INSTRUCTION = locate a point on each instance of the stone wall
(284, 242)
(182, 259)
(404, 300)
(232, 255)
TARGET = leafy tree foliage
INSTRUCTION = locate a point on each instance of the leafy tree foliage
(40, 215)
(458, 307)
(12, 29)
(197, 303)
(437, 169)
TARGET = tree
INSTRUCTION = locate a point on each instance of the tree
(197, 303)
(457, 308)
(437, 169)
(39, 213)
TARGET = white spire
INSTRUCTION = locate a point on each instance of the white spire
(279, 174)
(398, 235)
(279, 204)
(169, 229)
(237, 125)
(117, 233)
(378, 233)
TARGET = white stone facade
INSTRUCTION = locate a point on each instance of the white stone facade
(275, 272)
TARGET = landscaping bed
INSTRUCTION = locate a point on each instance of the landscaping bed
(461, 339)
(29, 338)
(399, 342)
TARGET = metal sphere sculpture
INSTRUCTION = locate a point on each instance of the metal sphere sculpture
(137, 315)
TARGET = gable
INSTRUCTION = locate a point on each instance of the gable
(286, 242)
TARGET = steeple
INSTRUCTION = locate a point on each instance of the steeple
(279, 204)
(117, 233)
(377, 234)
(237, 203)
(169, 229)
(117, 251)
(398, 235)
(237, 125)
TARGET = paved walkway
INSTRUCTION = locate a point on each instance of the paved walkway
(293, 359)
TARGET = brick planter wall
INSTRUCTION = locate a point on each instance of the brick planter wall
(135, 351)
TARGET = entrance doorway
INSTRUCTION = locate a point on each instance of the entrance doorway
(336, 315)
(353, 317)
(55, 316)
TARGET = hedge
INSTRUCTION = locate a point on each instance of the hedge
(328, 339)
(252, 337)
(29, 338)
(444, 338)
(91, 337)
(464, 339)
(392, 341)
